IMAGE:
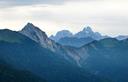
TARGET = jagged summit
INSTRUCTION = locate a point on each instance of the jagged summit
(39, 36)
(30, 24)
(88, 32)
(31, 27)
(61, 34)
(34, 33)
(64, 33)
(88, 28)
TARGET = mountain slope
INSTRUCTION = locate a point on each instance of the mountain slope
(107, 58)
(9, 74)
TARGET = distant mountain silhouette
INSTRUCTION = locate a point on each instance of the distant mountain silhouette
(122, 37)
(79, 39)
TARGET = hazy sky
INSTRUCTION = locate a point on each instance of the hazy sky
(106, 16)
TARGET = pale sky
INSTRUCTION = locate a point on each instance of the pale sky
(109, 17)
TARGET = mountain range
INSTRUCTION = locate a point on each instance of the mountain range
(32, 55)
(87, 35)
(79, 39)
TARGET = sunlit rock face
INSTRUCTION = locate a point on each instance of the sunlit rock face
(41, 38)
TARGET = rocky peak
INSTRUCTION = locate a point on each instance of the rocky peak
(87, 29)
(34, 33)
(61, 34)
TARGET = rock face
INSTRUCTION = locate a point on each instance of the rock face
(38, 36)
(41, 38)
(35, 34)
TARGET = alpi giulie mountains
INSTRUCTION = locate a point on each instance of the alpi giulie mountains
(29, 55)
